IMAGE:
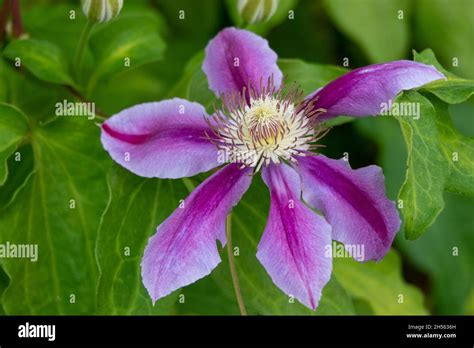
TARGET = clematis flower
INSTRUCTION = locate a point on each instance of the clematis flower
(261, 127)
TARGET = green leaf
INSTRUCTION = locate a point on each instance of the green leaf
(13, 130)
(43, 59)
(69, 165)
(136, 207)
(422, 191)
(446, 27)
(43, 20)
(454, 90)
(380, 284)
(458, 151)
(439, 158)
(34, 97)
(375, 25)
(133, 37)
(309, 76)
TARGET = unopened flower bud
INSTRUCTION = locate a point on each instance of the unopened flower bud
(101, 10)
(255, 11)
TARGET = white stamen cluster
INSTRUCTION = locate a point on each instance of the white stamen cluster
(258, 128)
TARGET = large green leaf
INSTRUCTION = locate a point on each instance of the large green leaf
(42, 58)
(375, 25)
(58, 209)
(381, 285)
(422, 191)
(439, 158)
(126, 43)
(136, 207)
(13, 130)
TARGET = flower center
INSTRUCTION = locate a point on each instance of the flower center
(263, 127)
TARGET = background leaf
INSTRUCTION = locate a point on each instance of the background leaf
(380, 284)
(133, 37)
(136, 207)
(42, 58)
(66, 168)
(446, 26)
(13, 129)
(374, 25)
(309, 76)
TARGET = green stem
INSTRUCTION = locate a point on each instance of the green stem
(81, 47)
(233, 269)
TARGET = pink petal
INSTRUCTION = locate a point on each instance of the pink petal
(165, 139)
(184, 247)
(353, 202)
(236, 58)
(295, 247)
(362, 91)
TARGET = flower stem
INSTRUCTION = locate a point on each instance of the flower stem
(233, 269)
(16, 19)
(81, 47)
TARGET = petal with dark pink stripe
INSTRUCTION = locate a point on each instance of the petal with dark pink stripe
(184, 248)
(295, 248)
(166, 139)
(352, 201)
(237, 58)
(363, 91)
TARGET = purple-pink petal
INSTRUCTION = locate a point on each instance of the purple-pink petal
(184, 248)
(166, 139)
(295, 248)
(237, 58)
(362, 91)
(352, 201)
